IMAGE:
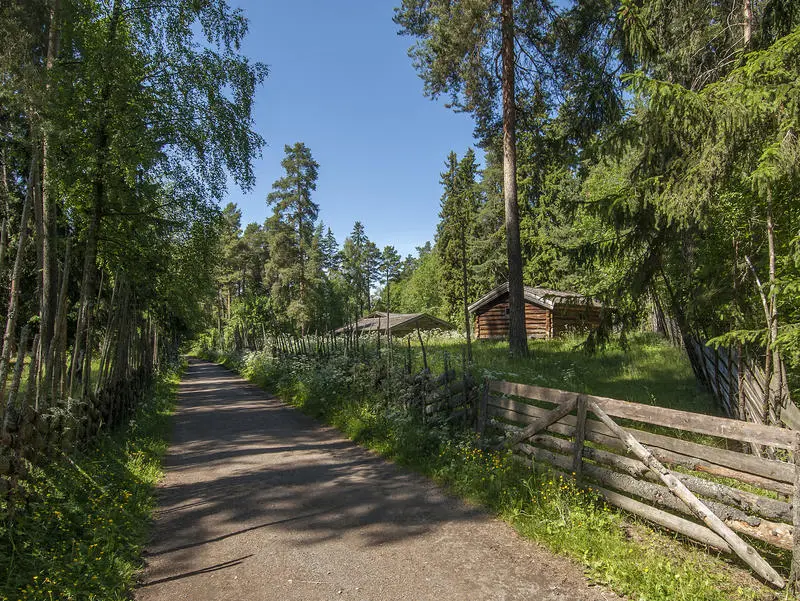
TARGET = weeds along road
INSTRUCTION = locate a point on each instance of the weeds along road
(261, 502)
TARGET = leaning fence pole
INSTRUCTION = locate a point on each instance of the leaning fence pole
(745, 552)
(424, 354)
(483, 406)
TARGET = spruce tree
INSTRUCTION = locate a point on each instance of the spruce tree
(460, 203)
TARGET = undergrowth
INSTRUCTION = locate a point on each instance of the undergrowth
(80, 532)
(615, 550)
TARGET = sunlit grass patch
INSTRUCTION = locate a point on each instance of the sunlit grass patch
(646, 369)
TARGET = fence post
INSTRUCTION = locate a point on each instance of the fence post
(480, 425)
(423, 404)
(465, 391)
(580, 437)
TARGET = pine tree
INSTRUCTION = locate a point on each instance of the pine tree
(456, 54)
(354, 265)
(389, 266)
(292, 229)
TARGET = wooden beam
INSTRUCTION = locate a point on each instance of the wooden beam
(662, 455)
(795, 572)
(540, 424)
(744, 501)
(766, 468)
(660, 416)
(580, 435)
(483, 408)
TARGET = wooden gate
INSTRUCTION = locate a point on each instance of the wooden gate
(721, 497)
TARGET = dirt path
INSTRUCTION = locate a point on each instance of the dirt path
(261, 502)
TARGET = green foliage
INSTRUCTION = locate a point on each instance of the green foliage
(360, 259)
(421, 290)
(290, 269)
(644, 369)
(81, 532)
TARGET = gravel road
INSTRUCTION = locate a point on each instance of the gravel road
(261, 502)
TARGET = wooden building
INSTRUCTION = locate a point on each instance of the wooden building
(548, 313)
(400, 324)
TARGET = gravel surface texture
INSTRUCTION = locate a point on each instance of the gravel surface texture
(261, 502)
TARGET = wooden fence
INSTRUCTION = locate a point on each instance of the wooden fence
(721, 497)
(449, 397)
(31, 435)
(738, 384)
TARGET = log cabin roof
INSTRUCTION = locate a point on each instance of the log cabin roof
(399, 323)
(542, 297)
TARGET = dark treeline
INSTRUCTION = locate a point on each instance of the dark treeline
(120, 122)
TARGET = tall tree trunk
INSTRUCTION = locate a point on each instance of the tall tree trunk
(86, 302)
(517, 336)
(59, 340)
(86, 380)
(39, 237)
(768, 355)
(49, 267)
(772, 317)
(3, 246)
(6, 215)
(110, 333)
(32, 390)
(747, 10)
(83, 336)
(22, 349)
(9, 337)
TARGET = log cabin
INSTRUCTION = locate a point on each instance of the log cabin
(548, 313)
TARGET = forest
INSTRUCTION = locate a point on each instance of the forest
(655, 171)
(638, 152)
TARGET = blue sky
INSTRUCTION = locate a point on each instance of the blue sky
(341, 81)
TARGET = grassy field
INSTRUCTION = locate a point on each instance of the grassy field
(81, 531)
(649, 370)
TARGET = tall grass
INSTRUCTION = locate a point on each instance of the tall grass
(646, 369)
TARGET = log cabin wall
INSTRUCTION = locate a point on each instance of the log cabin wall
(574, 318)
(492, 321)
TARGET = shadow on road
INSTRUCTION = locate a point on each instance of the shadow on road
(243, 462)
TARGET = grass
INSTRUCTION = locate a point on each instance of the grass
(630, 557)
(81, 531)
(646, 370)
